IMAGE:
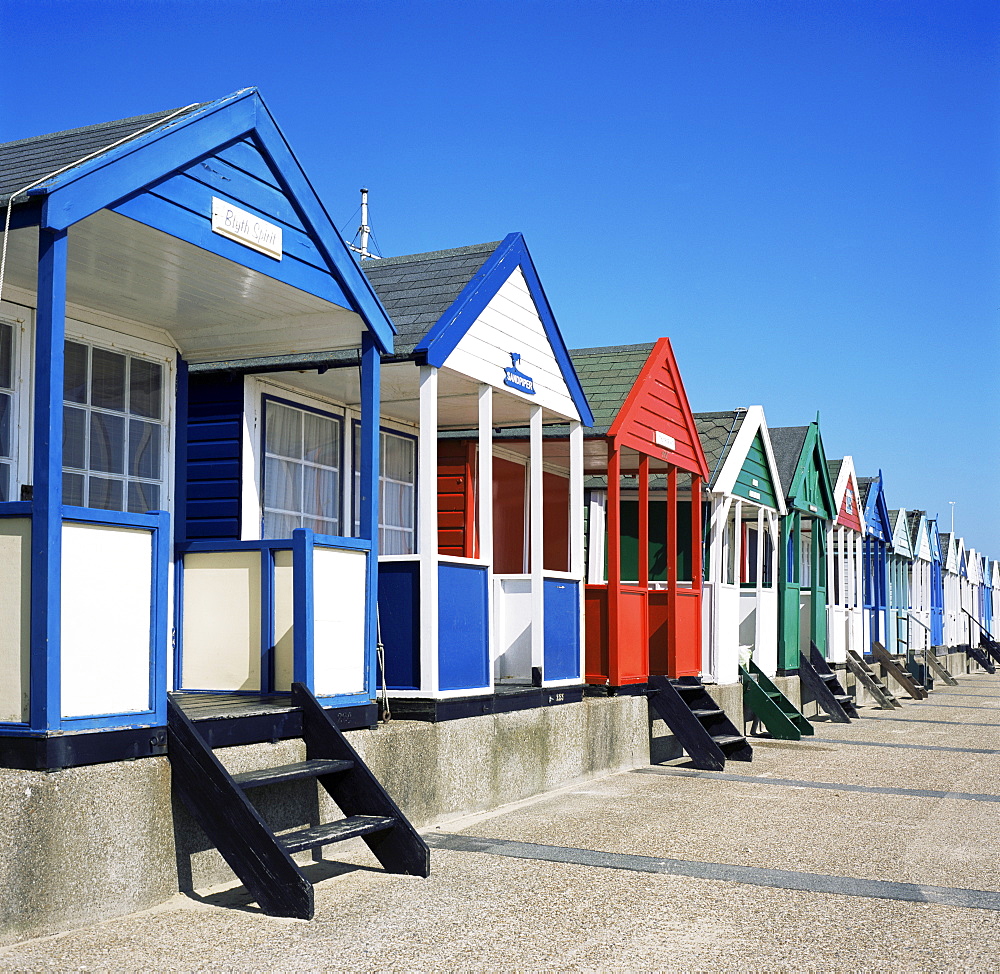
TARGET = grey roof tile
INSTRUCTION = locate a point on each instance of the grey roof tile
(417, 289)
(26, 160)
(787, 443)
(607, 375)
(717, 431)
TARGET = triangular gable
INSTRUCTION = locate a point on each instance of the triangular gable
(901, 535)
(934, 541)
(960, 558)
(749, 469)
(810, 489)
(501, 324)
(972, 566)
(230, 150)
(655, 418)
(847, 497)
(995, 574)
(920, 538)
(877, 523)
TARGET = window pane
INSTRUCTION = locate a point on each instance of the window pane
(145, 389)
(107, 443)
(143, 449)
(280, 525)
(320, 525)
(5, 411)
(107, 389)
(321, 440)
(75, 372)
(284, 431)
(282, 486)
(4, 482)
(105, 494)
(74, 438)
(73, 489)
(320, 492)
(397, 458)
(143, 497)
(6, 355)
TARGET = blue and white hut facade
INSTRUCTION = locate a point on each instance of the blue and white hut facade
(878, 538)
(938, 554)
(151, 536)
(740, 597)
(482, 565)
(920, 632)
(846, 567)
(994, 596)
(900, 559)
(972, 605)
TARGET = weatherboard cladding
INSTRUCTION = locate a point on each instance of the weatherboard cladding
(418, 289)
(28, 160)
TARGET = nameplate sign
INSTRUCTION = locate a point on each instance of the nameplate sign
(516, 379)
(665, 441)
(245, 228)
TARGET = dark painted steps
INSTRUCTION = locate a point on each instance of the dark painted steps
(346, 828)
(979, 656)
(771, 707)
(696, 720)
(991, 646)
(869, 679)
(261, 859)
(822, 682)
(901, 676)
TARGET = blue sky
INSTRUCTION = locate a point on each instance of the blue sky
(803, 195)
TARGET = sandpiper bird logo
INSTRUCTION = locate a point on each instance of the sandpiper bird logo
(515, 378)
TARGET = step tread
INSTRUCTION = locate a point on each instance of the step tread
(339, 831)
(707, 711)
(728, 738)
(291, 772)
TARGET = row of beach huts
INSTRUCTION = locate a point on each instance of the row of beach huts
(253, 489)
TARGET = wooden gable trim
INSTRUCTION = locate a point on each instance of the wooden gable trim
(634, 428)
(133, 167)
(812, 455)
(753, 424)
(512, 253)
(848, 478)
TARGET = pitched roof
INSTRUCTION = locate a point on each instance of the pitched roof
(833, 467)
(914, 525)
(787, 443)
(607, 375)
(27, 160)
(417, 289)
(864, 486)
(717, 432)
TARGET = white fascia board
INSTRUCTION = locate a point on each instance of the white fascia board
(753, 422)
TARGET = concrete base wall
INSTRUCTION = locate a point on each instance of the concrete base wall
(86, 844)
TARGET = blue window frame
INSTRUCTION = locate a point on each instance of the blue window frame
(397, 480)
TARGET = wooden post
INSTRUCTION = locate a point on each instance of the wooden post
(643, 521)
(672, 621)
(614, 561)
(427, 528)
(696, 539)
(370, 459)
(537, 536)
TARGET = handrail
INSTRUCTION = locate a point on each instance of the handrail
(976, 621)
(919, 622)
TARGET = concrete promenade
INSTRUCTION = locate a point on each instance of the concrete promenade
(872, 846)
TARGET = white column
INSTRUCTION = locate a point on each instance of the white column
(484, 505)
(758, 635)
(536, 499)
(427, 528)
(576, 538)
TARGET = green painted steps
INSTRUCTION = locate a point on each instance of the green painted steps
(263, 860)
(777, 713)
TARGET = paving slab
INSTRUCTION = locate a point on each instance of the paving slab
(837, 852)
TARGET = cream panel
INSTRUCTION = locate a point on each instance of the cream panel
(15, 617)
(512, 646)
(106, 608)
(339, 579)
(284, 617)
(510, 323)
(221, 644)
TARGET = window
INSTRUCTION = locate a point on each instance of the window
(302, 452)
(397, 515)
(8, 428)
(114, 430)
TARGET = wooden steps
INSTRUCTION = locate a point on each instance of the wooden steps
(990, 646)
(696, 720)
(979, 656)
(893, 669)
(869, 679)
(775, 711)
(817, 676)
(260, 858)
(939, 668)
